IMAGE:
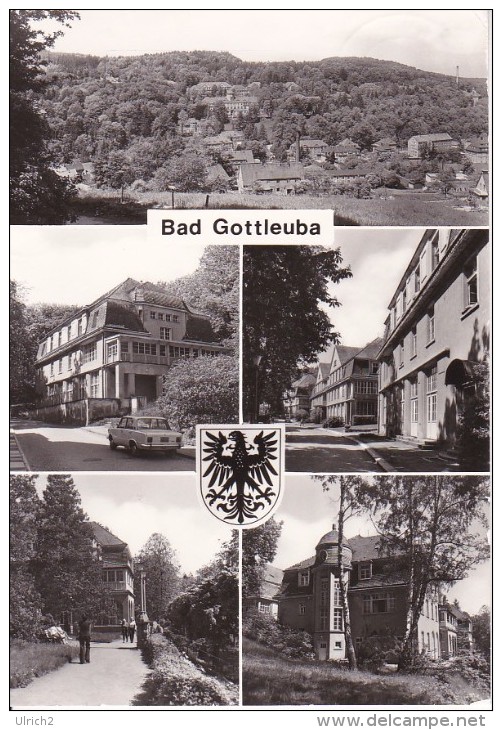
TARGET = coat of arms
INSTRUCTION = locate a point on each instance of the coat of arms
(240, 472)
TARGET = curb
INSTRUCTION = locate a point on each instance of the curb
(17, 459)
(375, 455)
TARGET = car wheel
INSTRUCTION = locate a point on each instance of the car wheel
(133, 448)
(113, 445)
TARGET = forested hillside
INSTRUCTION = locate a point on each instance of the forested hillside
(127, 114)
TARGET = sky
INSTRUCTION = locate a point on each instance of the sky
(308, 513)
(134, 506)
(433, 40)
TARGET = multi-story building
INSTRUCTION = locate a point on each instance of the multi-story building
(118, 579)
(296, 399)
(310, 597)
(265, 601)
(420, 144)
(436, 331)
(121, 346)
(351, 388)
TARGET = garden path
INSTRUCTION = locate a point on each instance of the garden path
(113, 678)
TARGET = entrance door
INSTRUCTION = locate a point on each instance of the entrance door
(323, 651)
(431, 404)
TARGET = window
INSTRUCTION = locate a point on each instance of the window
(435, 251)
(60, 338)
(94, 385)
(414, 401)
(175, 318)
(95, 318)
(162, 350)
(144, 348)
(337, 594)
(379, 603)
(60, 365)
(79, 327)
(431, 326)
(263, 608)
(168, 317)
(112, 351)
(413, 342)
(432, 395)
(301, 609)
(303, 578)
(68, 332)
(471, 283)
(165, 333)
(400, 354)
(124, 347)
(374, 368)
(416, 279)
(160, 315)
(366, 387)
(365, 571)
(338, 619)
(152, 315)
(89, 352)
(323, 616)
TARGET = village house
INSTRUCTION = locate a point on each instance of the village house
(419, 144)
(111, 356)
(270, 178)
(265, 602)
(297, 398)
(386, 144)
(310, 598)
(118, 579)
(315, 148)
(350, 390)
(436, 331)
(477, 150)
(344, 149)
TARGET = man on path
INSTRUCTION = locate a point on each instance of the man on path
(125, 630)
(132, 630)
(84, 638)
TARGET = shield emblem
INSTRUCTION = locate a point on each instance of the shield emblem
(240, 472)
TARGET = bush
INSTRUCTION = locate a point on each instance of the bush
(175, 681)
(375, 651)
(292, 643)
(333, 422)
(364, 420)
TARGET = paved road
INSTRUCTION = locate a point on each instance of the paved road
(113, 678)
(320, 451)
(58, 448)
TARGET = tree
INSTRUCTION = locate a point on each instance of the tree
(37, 194)
(474, 422)
(481, 631)
(434, 523)
(201, 390)
(25, 601)
(21, 352)
(67, 573)
(159, 561)
(283, 289)
(259, 546)
(187, 173)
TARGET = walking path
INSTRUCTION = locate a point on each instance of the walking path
(113, 678)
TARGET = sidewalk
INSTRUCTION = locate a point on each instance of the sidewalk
(113, 678)
(17, 461)
(401, 456)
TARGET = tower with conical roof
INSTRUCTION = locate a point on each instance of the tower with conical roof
(327, 573)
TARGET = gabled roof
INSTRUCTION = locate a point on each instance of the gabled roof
(437, 137)
(371, 350)
(104, 537)
(252, 173)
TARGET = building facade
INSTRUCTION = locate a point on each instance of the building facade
(420, 144)
(350, 391)
(310, 598)
(265, 602)
(121, 346)
(117, 576)
(436, 331)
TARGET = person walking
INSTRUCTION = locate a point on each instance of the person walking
(132, 629)
(84, 639)
(125, 631)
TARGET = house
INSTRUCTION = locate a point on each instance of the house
(344, 149)
(482, 189)
(419, 144)
(315, 148)
(239, 157)
(265, 602)
(477, 150)
(310, 597)
(233, 106)
(111, 356)
(448, 629)
(188, 127)
(386, 144)
(269, 177)
(217, 177)
(348, 176)
(118, 579)
(351, 390)
(297, 398)
(437, 329)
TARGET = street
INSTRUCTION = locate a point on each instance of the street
(85, 448)
(323, 451)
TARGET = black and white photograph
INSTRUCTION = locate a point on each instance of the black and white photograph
(347, 600)
(380, 115)
(113, 601)
(375, 352)
(119, 349)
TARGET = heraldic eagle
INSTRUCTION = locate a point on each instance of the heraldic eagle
(241, 474)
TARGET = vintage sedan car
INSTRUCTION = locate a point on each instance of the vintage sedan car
(144, 433)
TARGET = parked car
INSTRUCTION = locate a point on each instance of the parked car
(144, 433)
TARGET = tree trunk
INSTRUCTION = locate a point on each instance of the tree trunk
(351, 654)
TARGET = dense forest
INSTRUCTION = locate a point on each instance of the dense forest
(126, 114)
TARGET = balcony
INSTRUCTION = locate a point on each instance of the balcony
(139, 358)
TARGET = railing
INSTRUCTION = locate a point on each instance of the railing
(137, 357)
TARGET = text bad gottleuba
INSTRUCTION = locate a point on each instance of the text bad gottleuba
(222, 227)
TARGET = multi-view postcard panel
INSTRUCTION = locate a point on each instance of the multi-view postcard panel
(298, 428)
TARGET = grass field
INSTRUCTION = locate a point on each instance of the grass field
(270, 679)
(404, 209)
(29, 660)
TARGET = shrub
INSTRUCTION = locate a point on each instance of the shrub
(375, 651)
(175, 681)
(333, 422)
(292, 643)
(364, 420)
